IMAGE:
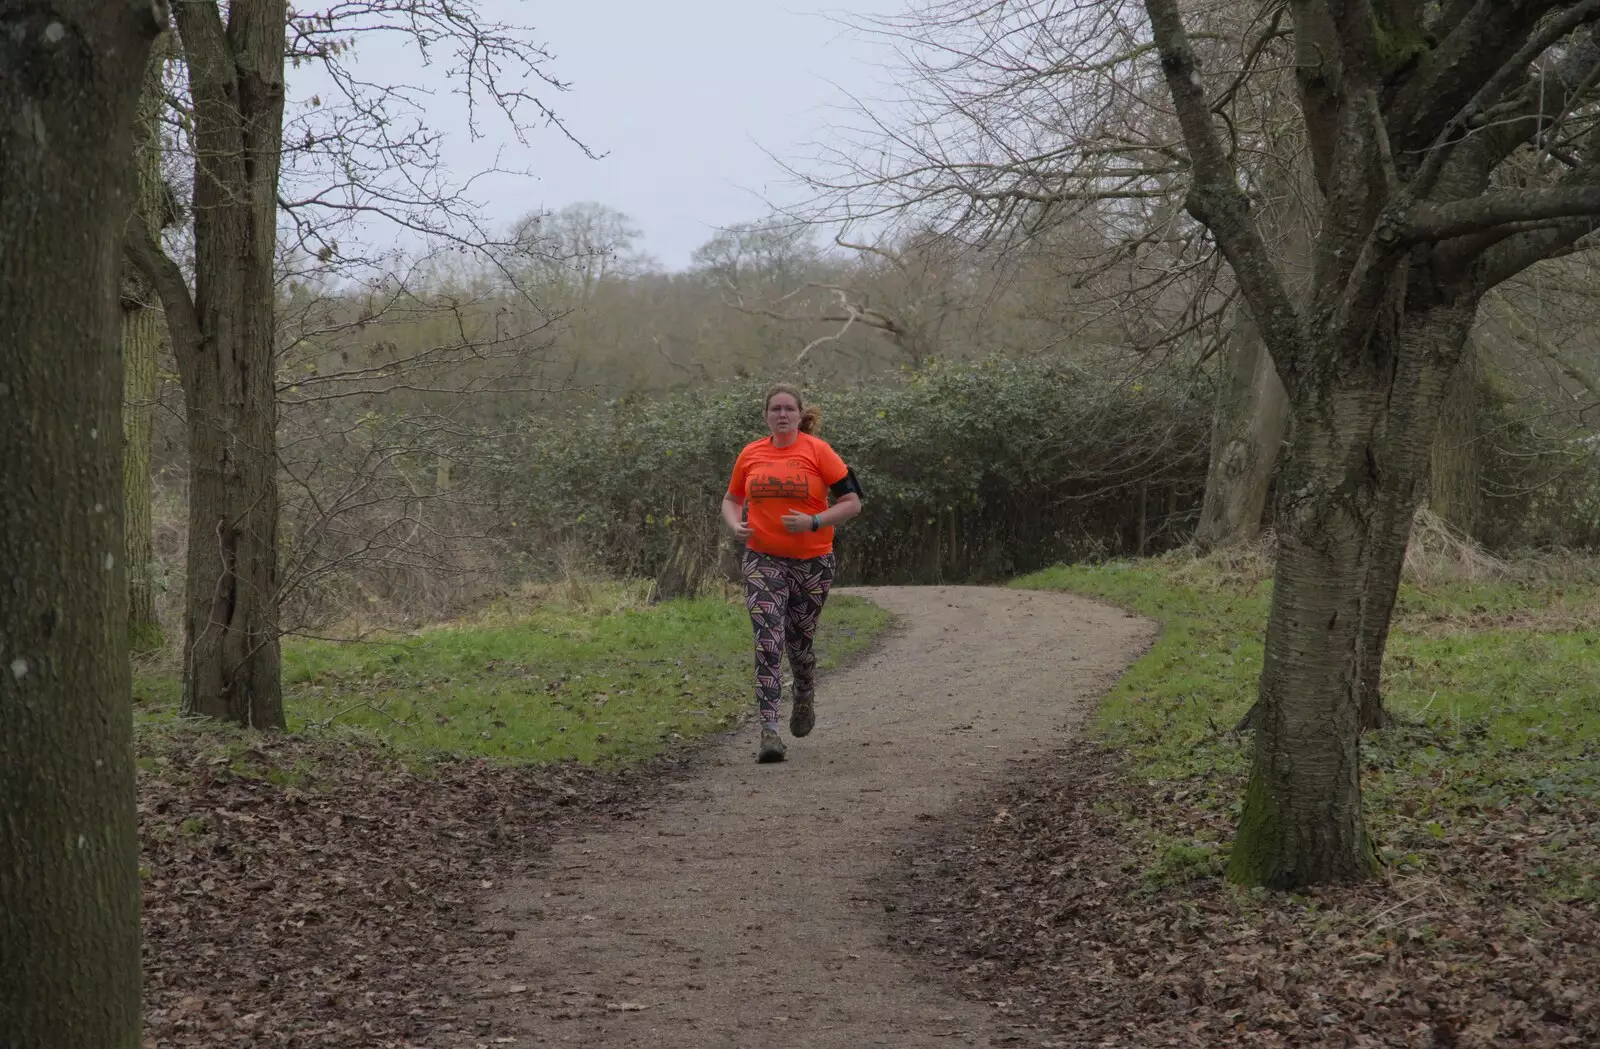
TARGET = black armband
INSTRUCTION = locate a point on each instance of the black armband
(846, 485)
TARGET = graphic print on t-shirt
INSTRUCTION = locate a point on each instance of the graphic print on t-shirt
(792, 483)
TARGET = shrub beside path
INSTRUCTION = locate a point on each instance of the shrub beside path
(739, 910)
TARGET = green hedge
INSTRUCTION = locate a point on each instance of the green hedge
(972, 471)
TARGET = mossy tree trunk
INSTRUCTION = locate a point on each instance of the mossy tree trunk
(1347, 497)
(1302, 819)
(69, 877)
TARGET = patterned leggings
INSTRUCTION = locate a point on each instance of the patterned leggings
(784, 596)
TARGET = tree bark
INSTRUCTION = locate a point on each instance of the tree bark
(1252, 413)
(142, 328)
(1429, 367)
(1302, 821)
(69, 879)
(1456, 473)
(223, 338)
(1351, 488)
(141, 343)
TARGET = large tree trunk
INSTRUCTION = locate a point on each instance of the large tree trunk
(142, 328)
(1252, 412)
(1424, 395)
(69, 876)
(223, 337)
(1302, 821)
(231, 648)
(1344, 515)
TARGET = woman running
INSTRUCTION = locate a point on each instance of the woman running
(777, 502)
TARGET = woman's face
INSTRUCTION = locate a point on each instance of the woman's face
(783, 414)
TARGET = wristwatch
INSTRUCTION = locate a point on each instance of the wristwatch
(816, 522)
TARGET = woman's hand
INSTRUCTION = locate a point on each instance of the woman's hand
(795, 521)
(733, 517)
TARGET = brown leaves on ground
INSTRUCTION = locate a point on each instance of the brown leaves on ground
(335, 905)
(1048, 904)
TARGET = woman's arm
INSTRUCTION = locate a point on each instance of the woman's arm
(732, 512)
(847, 506)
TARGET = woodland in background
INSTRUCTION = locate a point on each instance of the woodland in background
(1006, 434)
(451, 403)
(1098, 287)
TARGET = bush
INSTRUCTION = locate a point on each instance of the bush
(972, 471)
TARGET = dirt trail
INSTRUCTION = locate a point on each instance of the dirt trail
(738, 913)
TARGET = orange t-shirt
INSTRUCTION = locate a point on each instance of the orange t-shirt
(772, 481)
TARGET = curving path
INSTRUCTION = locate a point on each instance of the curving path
(737, 913)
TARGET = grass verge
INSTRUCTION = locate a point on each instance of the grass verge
(603, 681)
(1495, 683)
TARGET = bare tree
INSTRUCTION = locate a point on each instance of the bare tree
(1018, 127)
(571, 251)
(69, 886)
(222, 335)
(900, 289)
(1453, 146)
(1032, 116)
(357, 155)
(392, 397)
(1033, 134)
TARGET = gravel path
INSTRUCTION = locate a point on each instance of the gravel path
(738, 913)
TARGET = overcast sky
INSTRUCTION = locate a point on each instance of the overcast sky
(684, 99)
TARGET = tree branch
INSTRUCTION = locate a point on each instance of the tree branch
(183, 321)
(1475, 64)
(1495, 87)
(1274, 30)
(1318, 72)
(206, 54)
(1216, 199)
(1483, 214)
(835, 337)
(1515, 254)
